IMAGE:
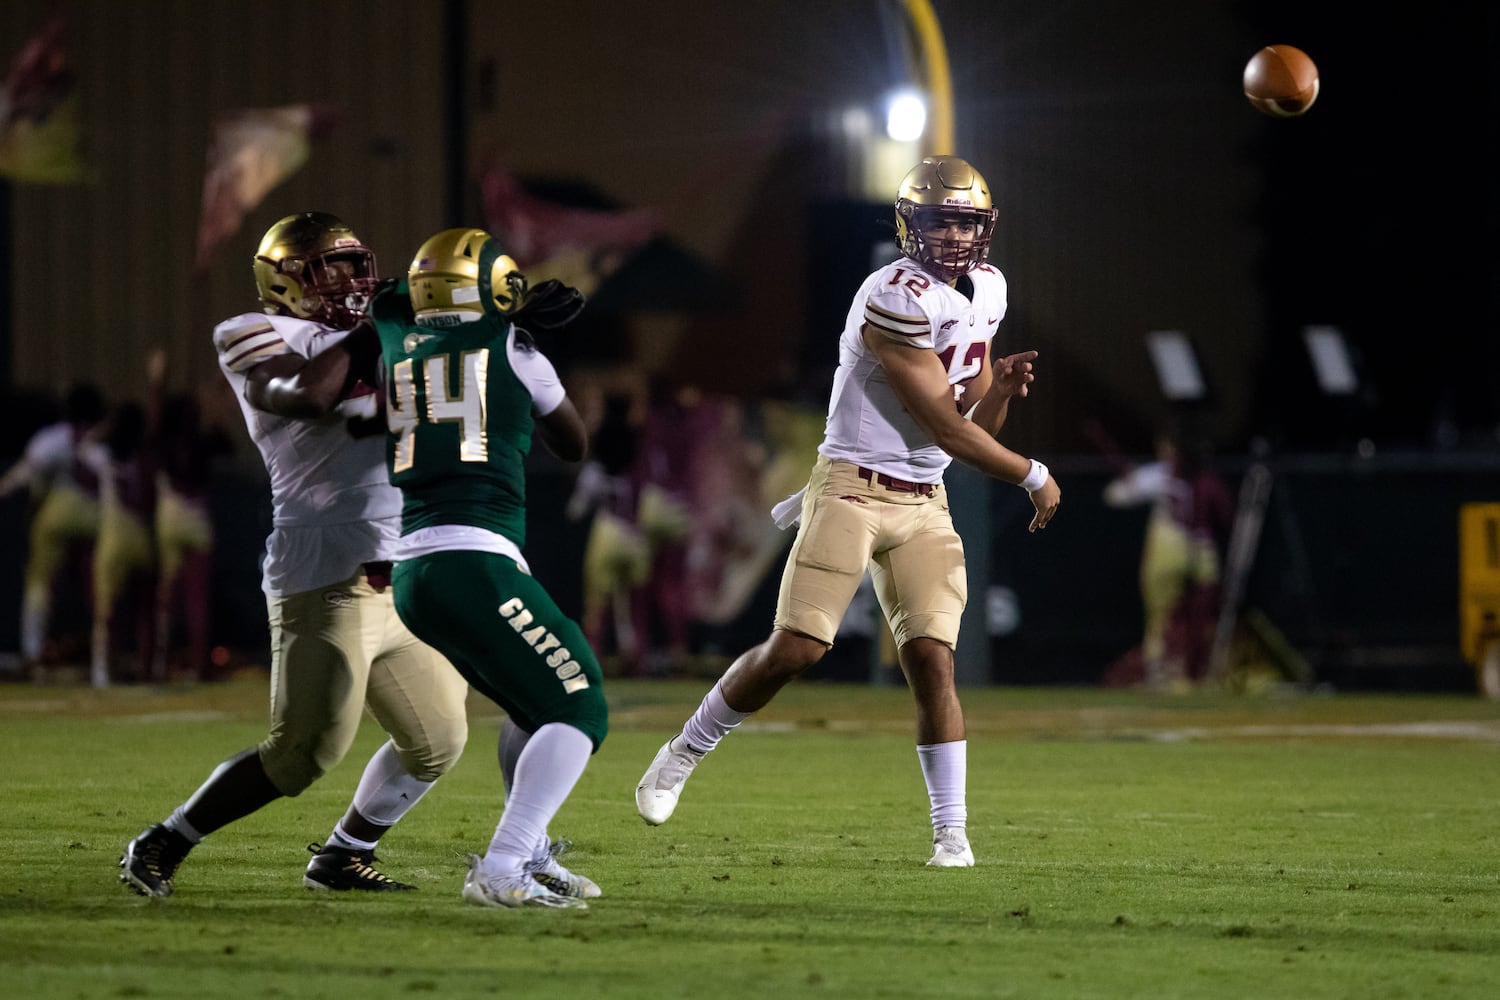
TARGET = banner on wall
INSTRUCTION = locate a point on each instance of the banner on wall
(578, 246)
(249, 153)
(38, 113)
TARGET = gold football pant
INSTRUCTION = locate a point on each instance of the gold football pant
(337, 649)
(906, 540)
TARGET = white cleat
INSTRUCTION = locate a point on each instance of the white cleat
(558, 879)
(511, 890)
(656, 796)
(950, 849)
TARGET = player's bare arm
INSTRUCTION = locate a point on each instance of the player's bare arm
(986, 398)
(290, 385)
(564, 433)
(920, 383)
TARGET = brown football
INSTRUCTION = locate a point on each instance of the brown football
(1281, 81)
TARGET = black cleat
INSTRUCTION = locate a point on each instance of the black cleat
(151, 859)
(339, 870)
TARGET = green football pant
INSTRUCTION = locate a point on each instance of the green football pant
(501, 629)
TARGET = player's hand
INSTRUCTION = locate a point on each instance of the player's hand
(1013, 373)
(1045, 500)
(551, 305)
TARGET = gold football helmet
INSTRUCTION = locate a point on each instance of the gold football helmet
(944, 187)
(462, 271)
(313, 266)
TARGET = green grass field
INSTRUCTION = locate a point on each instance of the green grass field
(1129, 846)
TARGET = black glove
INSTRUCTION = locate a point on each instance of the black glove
(551, 305)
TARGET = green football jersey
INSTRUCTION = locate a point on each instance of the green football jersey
(460, 420)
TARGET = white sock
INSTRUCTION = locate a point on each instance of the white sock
(178, 823)
(547, 770)
(513, 740)
(34, 612)
(945, 768)
(711, 722)
(386, 792)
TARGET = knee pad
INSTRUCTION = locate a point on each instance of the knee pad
(293, 766)
(434, 757)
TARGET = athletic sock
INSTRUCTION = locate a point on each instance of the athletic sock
(513, 740)
(945, 768)
(177, 823)
(547, 770)
(386, 792)
(236, 788)
(713, 721)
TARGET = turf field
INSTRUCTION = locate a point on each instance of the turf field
(1129, 846)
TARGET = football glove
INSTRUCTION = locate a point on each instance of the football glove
(551, 305)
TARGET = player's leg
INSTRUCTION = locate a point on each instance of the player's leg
(64, 517)
(544, 865)
(1164, 568)
(922, 588)
(419, 699)
(513, 739)
(840, 528)
(184, 539)
(318, 674)
(509, 638)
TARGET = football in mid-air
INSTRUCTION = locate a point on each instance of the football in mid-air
(1281, 81)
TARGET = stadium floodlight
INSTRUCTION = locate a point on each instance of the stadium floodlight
(1177, 370)
(1330, 360)
(906, 116)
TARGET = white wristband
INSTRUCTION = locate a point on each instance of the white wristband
(1035, 479)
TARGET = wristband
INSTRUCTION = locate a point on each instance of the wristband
(1035, 479)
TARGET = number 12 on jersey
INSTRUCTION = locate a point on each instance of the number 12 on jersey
(421, 395)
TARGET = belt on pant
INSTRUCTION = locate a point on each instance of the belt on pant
(378, 574)
(898, 485)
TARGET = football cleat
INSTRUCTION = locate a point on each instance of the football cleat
(950, 849)
(512, 890)
(151, 859)
(339, 870)
(554, 876)
(661, 786)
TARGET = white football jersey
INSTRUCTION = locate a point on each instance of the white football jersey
(332, 506)
(867, 425)
(56, 460)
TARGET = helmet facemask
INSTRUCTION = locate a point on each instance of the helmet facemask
(947, 259)
(336, 284)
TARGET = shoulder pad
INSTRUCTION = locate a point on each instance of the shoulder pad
(245, 341)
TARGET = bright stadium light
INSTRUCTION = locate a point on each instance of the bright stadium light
(906, 116)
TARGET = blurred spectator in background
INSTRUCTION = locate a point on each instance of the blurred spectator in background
(125, 554)
(685, 440)
(1189, 524)
(736, 544)
(65, 497)
(616, 557)
(184, 537)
